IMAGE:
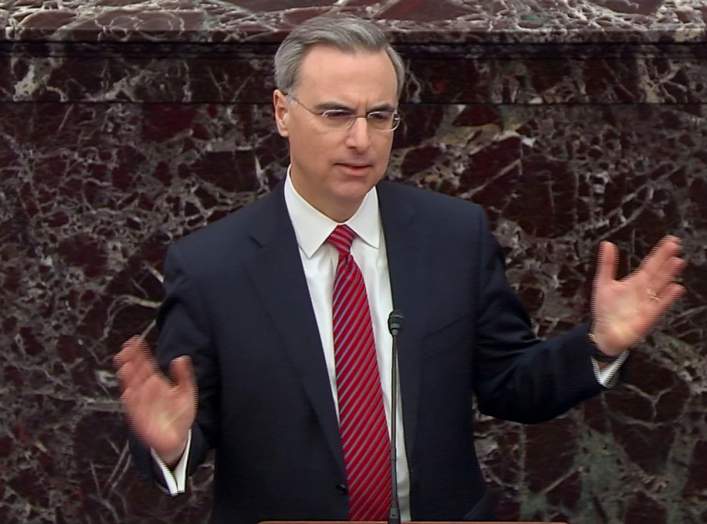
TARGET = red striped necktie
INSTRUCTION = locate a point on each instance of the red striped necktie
(362, 422)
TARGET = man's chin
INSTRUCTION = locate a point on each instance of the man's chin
(352, 191)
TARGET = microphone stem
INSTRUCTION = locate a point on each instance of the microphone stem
(394, 515)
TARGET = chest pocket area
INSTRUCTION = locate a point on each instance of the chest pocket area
(450, 340)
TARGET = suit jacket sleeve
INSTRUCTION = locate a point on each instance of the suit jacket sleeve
(518, 377)
(184, 330)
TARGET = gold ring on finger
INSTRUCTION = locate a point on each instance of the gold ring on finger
(652, 295)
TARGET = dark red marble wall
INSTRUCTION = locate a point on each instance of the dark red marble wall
(115, 141)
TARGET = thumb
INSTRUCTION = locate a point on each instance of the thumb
(181, 372)
(606, 265)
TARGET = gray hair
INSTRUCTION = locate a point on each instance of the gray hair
(346, 33)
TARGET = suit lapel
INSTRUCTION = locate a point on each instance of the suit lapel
(279, 277)
(407, 264)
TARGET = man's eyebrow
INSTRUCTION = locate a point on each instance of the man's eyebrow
(326, 106)
(382, 107)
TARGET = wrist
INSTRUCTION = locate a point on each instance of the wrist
(598, 354)
(171, 458)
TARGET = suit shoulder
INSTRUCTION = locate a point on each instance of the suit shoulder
(436, 206)
(224, 236)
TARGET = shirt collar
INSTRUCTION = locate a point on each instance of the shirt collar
(312, 227)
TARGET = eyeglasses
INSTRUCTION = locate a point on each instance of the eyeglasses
(382, 120)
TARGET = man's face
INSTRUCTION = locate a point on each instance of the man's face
(333, 169)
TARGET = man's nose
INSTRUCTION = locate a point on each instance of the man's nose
(358, 136)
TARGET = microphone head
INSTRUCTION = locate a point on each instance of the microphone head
(395, 322)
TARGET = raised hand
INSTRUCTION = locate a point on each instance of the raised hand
(625, 310)
(160, 411)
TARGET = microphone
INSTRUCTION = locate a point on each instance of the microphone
(395, 320)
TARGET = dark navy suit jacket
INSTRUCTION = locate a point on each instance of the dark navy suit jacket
(237, 302)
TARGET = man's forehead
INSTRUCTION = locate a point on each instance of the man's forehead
(325, 67)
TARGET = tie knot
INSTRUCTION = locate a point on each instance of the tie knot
(341, 238)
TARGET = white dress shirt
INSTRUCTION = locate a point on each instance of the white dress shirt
(319, 260)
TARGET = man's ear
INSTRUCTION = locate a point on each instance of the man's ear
(280, 106)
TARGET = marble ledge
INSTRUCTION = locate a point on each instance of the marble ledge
(242, 73)
(407, 21)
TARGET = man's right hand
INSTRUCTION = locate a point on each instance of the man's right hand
(160, 411)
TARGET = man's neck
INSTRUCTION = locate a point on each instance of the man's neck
(339, 212)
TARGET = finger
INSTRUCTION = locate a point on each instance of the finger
(606, 265)
(141, 348)
(138, 368)
(670, 295)
(139, 401)
(668, 247)
(182, 372)
(141, 355)
(657, 308)
(125, 374)
(132, 376)
(133, 348)
(666, 274)
(126, 353)
(145, 370)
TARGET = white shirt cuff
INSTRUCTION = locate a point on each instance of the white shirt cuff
(608, 376)
(175, 479)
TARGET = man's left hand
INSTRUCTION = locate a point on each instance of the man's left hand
(625, 310)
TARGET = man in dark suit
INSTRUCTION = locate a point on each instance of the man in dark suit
(272, 303)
